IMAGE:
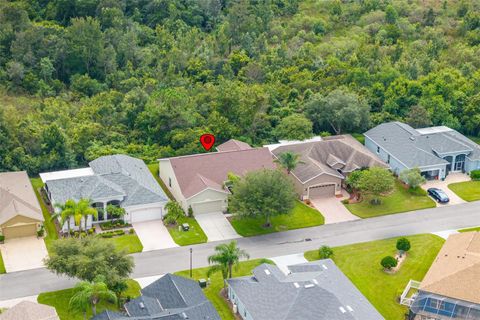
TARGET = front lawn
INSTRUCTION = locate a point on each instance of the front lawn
(2, 265)
(184, 238)
(361, 264)
(128, 242)
(470, 229)
(60, 300)
(153, 167)
(401, 200)
(213, 290)
(302, 216)
(50, 228)
(468, 190)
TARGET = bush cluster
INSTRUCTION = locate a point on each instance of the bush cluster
(111, 234)
(475, 175)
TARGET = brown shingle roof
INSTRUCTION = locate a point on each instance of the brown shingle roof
(196, 173)
(233, 145)
(27, 310)
(455, 273)
(17, 197)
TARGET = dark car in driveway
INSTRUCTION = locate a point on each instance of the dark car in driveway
(438, 194)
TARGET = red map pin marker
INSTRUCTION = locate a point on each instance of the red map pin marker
(207, 140)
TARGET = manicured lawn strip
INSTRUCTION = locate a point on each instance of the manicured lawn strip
(401, 200)
(2, 265)
(128, 242)
(360, 137)
(467, 190)
(302, 216)
(60, 300)
(48, 223)
(184, 238)
(361, 264)
(213, 290)
(153, 167)
(470, 229)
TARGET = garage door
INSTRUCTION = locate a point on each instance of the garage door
(321, 191)
(145, 214)
(207, 207)
(26, 230)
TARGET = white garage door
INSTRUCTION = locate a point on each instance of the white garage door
(145, 214)
(207, 207)
(321, 191)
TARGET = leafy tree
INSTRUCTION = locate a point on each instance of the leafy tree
(353, 179)
(88, 258)
(263, 193)
(418, 117)
(174, 212)
(288, 160)
(403, 245)
(389, 262)
(391, 14)
(227, 256)
(115, 212)
(376, 181)
(325, 252)
(294, 127)
(412, 177)
(90, 294)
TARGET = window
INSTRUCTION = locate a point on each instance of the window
(388, 159)
(170, 182)
(378, 149)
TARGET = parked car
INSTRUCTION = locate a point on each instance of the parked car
(439, 195)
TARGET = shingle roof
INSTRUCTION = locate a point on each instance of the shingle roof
(233, 145)
(315, 290)
(116, 176)
(455, 273)
(27, 310)
(326, 156)
(169, 298)
(196, 173)
(17, 197)
(417, 148)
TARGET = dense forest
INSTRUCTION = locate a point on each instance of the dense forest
(84, 78)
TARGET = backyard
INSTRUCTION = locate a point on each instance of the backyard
(60, 300)
(467, 190)
(153, 167)
(184, 238)
(302, 216)
(361, 264)
(213, 290)
(400, 200)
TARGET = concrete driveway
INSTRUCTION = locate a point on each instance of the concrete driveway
(216, 226)
(283, 262)
(333, 210)
(451, 178)
(23, 253)
(154, 235)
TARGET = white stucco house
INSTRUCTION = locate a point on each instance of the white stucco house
(117, 179)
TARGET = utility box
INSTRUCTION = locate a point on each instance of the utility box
(185, 227)
(202, 283)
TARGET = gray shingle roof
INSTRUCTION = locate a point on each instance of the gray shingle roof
(419, 148)
(116, 176)
(315, 290)
(169, 298)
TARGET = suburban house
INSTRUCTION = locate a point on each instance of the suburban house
(27, 310)
(436, 151)
(326, 163)
(310, 291)
(20, 212)
(170, 297)
(451, 287)
(199, 180)
(119, 180)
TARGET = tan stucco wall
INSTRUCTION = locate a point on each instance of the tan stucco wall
(322, 179)
(208, 195)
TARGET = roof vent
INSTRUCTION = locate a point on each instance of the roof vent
(296, 285)
(349, 308)
(267, 272)
(324, 267)
(315, 281)
(412, 138)
(142, 306)
(342, 309)
(184, 315)
(310, 285)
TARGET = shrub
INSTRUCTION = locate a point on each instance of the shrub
(40, 232)
(76, 234)
(132, 231)
(83, 234)
(190, 211)
(403, 245)
(106, 235)
(412, 177)
(325, 252)
(475, 174)
(119, 232)
(91, 231)
(418, 191)
(2, 238)
(345, 201)
(389, 262)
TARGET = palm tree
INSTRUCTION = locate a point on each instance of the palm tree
(288, 160)
(67, 210)
(227, 255)
(89, 294)
(83, 209)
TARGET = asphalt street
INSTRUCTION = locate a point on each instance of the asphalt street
(32, 282)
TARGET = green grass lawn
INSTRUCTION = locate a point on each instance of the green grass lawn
(361, 264)
(360, 137)
(153, 167)
(184, 238)
(60, 300)
(213, 290)
(470, 229)
(128, 242)
(49, 225)
(401, 200)
(302, 216)
(2, 265)
(468, 190)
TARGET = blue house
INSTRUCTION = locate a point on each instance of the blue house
(436, 151)
(451, 287)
